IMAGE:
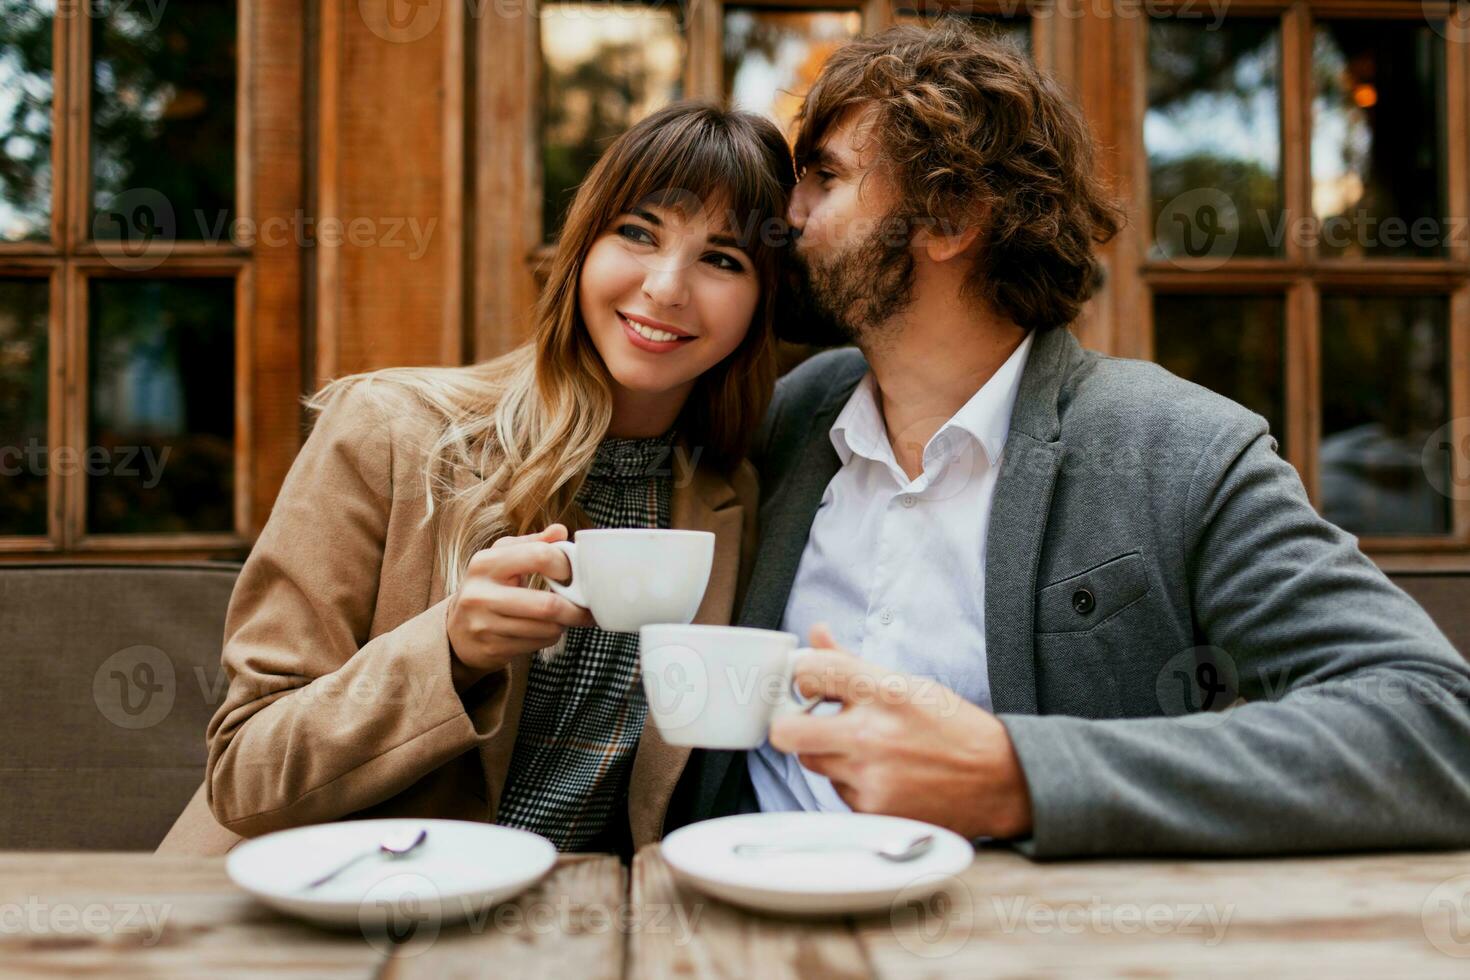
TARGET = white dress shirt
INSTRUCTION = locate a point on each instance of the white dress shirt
(896, 567)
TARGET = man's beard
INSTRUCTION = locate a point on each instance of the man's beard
(847, 298)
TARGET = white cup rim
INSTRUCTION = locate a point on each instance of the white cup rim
(736, 632)
(631, 532)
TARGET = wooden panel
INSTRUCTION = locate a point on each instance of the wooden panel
(507, 179)
(390, 188)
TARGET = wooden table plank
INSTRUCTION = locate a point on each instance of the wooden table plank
(135, 915)
(102, 914)
(681, 933)
(1369, 916)
(569, 925)
(1359, 916)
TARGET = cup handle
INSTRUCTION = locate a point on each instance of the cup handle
(570, 591)
(795, 701)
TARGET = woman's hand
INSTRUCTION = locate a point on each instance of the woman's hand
(494, 618)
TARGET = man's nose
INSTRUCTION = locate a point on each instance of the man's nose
(796, 210)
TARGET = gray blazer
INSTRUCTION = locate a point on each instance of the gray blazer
(1150, 555)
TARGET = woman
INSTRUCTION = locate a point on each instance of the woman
(380, 642)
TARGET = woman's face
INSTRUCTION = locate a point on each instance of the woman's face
(666, 296)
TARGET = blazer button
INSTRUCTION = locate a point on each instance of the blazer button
(1083, 602)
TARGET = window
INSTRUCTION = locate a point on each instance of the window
(1302, 166)
(121, 404)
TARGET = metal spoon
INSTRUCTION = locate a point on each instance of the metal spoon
(903, 849)
(395, 845)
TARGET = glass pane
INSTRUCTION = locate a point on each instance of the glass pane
(1212, 132)
(773, 56)
(1385, 393)
(1233, 344)
(25, 119)
(1013, 28)
(163, 121)
(161, 406)
(604, 67)
(23, 390)
(1378, 138)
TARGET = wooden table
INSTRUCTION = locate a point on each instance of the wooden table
(142, 915)
(111, 915)
(1379, 916)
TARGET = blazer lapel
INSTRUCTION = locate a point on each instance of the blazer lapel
(1029, 465)
(704, 501)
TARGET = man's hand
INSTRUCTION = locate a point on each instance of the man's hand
(905, 746)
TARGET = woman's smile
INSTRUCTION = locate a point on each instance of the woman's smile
(651, 335)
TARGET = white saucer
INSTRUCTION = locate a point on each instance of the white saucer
(461, 868)
(823, 883)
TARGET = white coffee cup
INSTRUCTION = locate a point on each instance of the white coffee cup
(718, 687)
(630, 577)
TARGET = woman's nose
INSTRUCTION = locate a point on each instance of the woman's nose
(666, 287)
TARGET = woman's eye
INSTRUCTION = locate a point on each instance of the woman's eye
(723, 261)
(633, 233)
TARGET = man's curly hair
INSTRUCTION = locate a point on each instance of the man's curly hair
(967, 129)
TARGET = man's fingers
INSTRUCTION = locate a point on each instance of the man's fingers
(808, 734)
(828, 764)
(820, 637)
(836, 675)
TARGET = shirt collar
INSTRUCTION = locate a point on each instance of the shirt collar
(859, 427)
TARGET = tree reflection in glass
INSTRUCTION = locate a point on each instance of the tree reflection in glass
(604, 66)
(23, 394)
(25, 119)
(773, 56)
(1212, 128)
(1378, 138)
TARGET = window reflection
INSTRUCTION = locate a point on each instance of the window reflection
(163, 121)
(1378, 138)
(25, 119)
(773, 56)
(1212, 127)
(161, 405)
(1230, 343)
(1385, 391)
(23, 395)
(604, 67)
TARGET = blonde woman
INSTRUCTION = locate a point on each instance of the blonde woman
(382, 640)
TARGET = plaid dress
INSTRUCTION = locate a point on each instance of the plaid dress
(584, 710)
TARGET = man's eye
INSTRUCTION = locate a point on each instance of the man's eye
(633, 233)
(825, 175)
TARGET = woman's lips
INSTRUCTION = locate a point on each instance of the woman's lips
(652, 346)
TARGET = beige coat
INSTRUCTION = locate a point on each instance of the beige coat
(340, 700)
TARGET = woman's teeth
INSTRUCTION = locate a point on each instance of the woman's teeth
(648, 333)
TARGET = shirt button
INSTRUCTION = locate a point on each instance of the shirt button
(886, 617)
(908, 500)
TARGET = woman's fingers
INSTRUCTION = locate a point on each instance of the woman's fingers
(510, 564)
(541, 632)
(516, 603)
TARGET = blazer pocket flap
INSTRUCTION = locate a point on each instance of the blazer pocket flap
(1088, 599)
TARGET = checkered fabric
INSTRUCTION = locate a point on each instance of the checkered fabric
(584, 710)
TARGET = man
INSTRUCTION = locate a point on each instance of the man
(1036, 564)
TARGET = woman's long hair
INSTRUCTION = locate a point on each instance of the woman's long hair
(526, 425)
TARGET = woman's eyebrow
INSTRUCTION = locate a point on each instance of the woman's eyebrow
(723, 240)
